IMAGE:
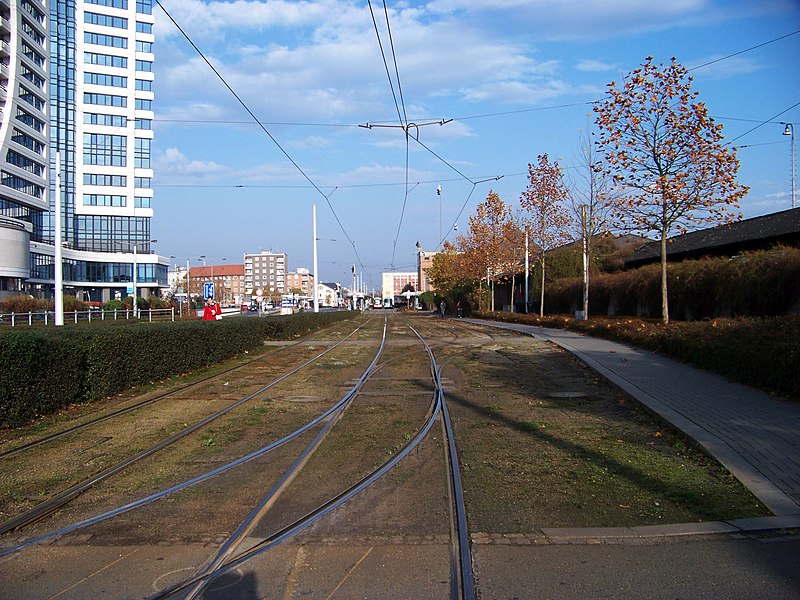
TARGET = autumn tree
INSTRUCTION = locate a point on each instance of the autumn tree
(546, 216)
(666, 156)
(448, 273)
(485, 243)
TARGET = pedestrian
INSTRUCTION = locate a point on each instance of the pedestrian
(443, 307)
(217, 311)
(209, 314)
(459, 310)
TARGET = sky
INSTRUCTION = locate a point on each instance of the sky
(490, 86)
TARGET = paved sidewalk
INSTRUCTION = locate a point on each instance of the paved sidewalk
(754, 435)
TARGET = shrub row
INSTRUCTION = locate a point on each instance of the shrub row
(760, 352)
(44, 370)
(756, 283)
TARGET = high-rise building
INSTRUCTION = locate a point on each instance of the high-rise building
(23, 136)
(265, 271)
(100, 109)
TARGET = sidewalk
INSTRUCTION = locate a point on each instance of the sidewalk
(752, 434)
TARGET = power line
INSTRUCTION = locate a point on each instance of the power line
(761, 124)
(264, 129)
(772, 41)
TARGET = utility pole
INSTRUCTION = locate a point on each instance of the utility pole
(59, 263)
(315, 274)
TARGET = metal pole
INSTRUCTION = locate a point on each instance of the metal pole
(315, 266)
(527, 268)
(584, 238)
(134, 279)
(59, 266)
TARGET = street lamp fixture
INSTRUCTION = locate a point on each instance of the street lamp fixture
(789, 130)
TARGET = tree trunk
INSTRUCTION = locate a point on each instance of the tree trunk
(513, 283)
(541, 300)
(664, 295)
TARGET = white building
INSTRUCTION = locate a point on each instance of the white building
(393, 283)
(265, 271)
(100, 110)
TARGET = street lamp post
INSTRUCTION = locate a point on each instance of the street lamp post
(789, 130)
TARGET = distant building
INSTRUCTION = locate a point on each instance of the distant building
(301, 280)
(424, 263)
(265, 271)
(228, 280)
(330, 294)
(393, 283)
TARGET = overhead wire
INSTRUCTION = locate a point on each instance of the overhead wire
(263, 128)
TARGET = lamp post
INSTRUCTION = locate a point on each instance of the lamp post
(789, 130)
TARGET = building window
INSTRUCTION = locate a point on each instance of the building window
(105, 20)
(107, 120)
(106, 150)
(144, 27)
(32, 54)
(105, 60)
(107, 180)
(31, 98)
(142, 104)
(146, 124)
(102, 79)
(23, 139)
(144, 7)
(99, 39)
(103, 200)
(144, 46)
(141, 157)
(31, 32)
(21, 185)
(146, 66)
(123, 4)
(105, 100)
(144, 85)
(142, 201)
(24, 116)
(23, 162)
(142, 182)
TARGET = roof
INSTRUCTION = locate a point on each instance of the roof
(752, 233)
(217, 271)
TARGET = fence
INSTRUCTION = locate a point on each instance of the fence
(47, 317)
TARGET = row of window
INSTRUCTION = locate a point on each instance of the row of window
(28, 96)
(32, 32)
(33, 11)
(42, 267)
(116, 121)
(105, 20)
(110, 180)
(21, 184)
(24, 116)
(23, 139)
(104, 200)
(118, 101)
(23, 162)
(32, 54)
(111, 151)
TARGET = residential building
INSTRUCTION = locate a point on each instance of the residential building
(229, 282)
(24, 135)
(100, 76)
(393, 283)
(265, 271)
(331, 294)
(301, 280)
(424, 263)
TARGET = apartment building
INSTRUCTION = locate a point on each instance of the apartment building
(99, 103)
(24, 136)
(265, 271)
(301, 280)
(228, 280)
(393, 283)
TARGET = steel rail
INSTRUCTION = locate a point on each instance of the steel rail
(467, 590)
(53, 504)
(251, 521)
(178, 487)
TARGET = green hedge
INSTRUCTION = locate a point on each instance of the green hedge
(44, 370)
(760, 352)
(756, 283)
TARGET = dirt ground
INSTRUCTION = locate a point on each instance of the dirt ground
(542, 442)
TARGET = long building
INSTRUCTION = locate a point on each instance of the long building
(100, 105)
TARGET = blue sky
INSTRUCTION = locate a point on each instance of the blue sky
(516, 77)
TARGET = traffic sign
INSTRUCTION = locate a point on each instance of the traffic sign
(208, 289)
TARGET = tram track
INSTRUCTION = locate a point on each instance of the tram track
(227, 559)
(59, 500)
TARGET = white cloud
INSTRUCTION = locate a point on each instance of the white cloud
(590, 65)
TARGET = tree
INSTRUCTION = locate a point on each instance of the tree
(486, 246)
(589, 191)
(547, 219)
(666, 154)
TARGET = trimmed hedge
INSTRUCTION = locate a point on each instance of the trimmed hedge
(756, 283)
(44, 370)
(760, 352)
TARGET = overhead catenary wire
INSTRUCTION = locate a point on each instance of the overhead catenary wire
(263, 128)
